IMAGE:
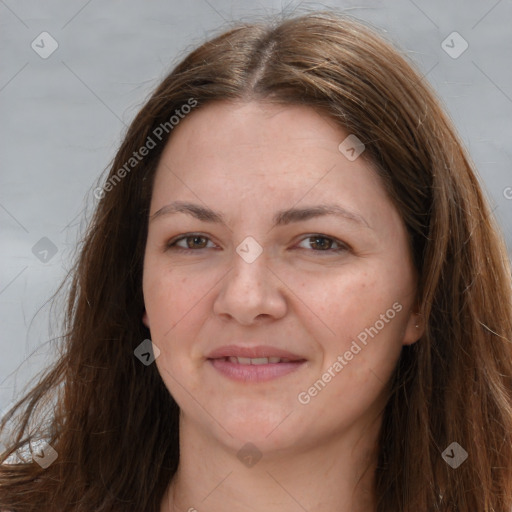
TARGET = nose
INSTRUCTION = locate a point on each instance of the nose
(251, 292)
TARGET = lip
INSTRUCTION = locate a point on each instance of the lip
(254, 373)
(251, 372)
(253, 352)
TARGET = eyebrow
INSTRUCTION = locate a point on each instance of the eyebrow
(281, 218)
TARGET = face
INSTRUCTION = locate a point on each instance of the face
(237, 278)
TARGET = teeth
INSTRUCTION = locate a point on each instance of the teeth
(257, 360)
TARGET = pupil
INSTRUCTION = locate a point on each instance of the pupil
(324, 239)
(194, 240)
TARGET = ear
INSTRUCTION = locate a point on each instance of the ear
(145, 319)
(414, 329)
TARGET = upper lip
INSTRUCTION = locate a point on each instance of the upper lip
(252, 352)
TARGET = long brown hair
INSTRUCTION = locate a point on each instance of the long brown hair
(115, 425)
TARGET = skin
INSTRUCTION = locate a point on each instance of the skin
(247, 161)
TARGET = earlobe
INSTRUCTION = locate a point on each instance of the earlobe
(145, 319)
(415, 329)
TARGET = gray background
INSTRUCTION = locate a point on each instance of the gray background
(63, 118)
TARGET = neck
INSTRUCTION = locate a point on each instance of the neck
(337, 475)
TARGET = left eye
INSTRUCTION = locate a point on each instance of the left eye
(324, 241)
(197, 241)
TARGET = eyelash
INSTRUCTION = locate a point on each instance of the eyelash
(172, 243)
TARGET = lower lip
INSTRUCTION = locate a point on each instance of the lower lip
(254, 372)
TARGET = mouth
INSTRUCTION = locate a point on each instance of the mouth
(256, 364)
(256, 360)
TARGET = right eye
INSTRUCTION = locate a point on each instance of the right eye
(193, 242)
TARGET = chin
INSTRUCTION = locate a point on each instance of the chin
(268, 430)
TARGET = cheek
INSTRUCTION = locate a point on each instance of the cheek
(170, 294)
(350, 300)
(178, 303)
(174, 307)
(364, 318)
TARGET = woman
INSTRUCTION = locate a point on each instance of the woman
(214, 359)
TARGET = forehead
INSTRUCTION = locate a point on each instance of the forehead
(252, 139)
(258, 123)
(260, 155)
